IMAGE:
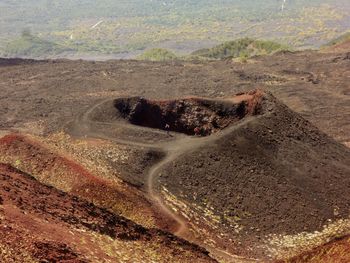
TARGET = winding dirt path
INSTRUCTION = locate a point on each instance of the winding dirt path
(151, 181)
(177, 145)
(83, 127)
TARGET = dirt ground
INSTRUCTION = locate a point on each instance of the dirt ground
(43, 96)
(268, 187)
(269, 175)
(41, 224)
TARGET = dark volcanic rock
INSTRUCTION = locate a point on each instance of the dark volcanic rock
(273, 174)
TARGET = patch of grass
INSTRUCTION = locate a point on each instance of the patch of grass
(243, 48)
(158, 54)
(32, 46)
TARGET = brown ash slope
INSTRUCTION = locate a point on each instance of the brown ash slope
(271, 174)
(41, 96)
(41, 224)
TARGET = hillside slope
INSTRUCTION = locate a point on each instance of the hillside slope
(244, 48)
(269, 182)
(335, 251)
(268, 165)
(251, 176)
(340, 44)
(41, 224)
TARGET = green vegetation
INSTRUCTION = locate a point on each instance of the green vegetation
(113, 27)
(241, 48)
(29, 45)
(157, 54)
(339, 40)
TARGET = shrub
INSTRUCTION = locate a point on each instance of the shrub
(158, 54)
(241, 48)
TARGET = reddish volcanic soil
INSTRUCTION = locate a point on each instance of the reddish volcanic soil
(40, 223)
(51, 168)
(334, 251)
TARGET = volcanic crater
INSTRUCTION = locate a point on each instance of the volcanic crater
(190, 116)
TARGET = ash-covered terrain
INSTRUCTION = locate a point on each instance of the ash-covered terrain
(133, 161)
